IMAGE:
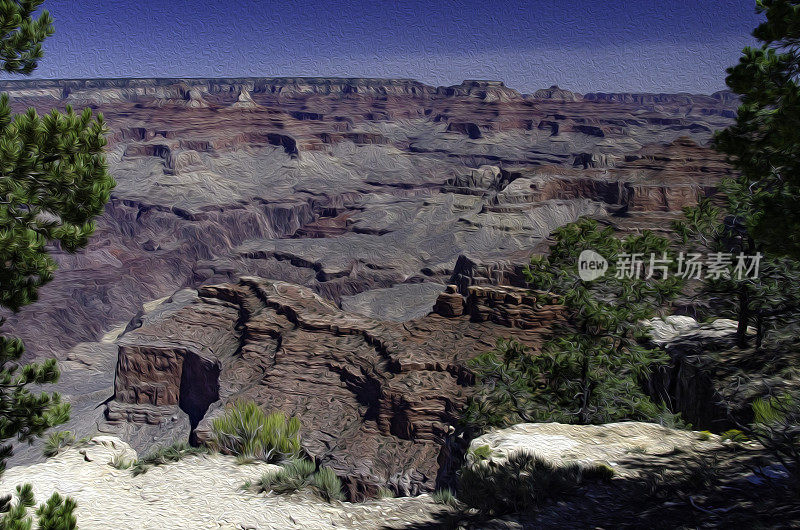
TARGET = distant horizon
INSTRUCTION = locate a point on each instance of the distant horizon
(583, 45)
(25, 79)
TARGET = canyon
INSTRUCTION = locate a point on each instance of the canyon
(337, 249)
(352, 185)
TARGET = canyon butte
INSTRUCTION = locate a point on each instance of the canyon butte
(337, 249)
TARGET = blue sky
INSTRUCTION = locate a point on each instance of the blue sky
(625, 45)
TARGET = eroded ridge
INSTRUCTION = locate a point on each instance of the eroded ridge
(376, 399)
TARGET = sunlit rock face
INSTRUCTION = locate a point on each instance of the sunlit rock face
(350, 185)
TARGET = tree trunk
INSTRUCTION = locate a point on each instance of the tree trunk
(744, 317)
(759, 330)
(583, 414)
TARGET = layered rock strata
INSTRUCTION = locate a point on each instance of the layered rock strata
(351, 185)
(376, 399)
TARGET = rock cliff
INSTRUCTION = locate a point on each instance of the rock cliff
(376, 399)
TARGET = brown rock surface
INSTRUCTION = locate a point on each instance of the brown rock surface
(376, 399)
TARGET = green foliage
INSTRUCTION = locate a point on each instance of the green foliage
(301, 466)
(165, 455)
(734, 435)
(385, 493)
(120, 462)
(15, 515)
(446, 497)
(56, 442)
(509, 380)
(53, 182)
(327, 484)
(593, 368)
(482, 452)
(598, 472)
(245, 429)
(21, 35)
(293, 476)
(56, 514)
(694, 475)
(776, 426)
(521, 484)
(768, 300)
(764, 143)
(25, 415)
(298, 474)
(704, 436)
(591, 371)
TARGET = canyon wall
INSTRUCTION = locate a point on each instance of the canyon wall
(353, 185)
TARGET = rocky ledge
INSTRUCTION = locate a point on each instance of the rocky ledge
(204, 491)
(662, 477)
(197, 492)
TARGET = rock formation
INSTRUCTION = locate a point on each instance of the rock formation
(245, 101)
(351, 185)
(610, 444)
(554, 92)
(709, 380)
(376, 399)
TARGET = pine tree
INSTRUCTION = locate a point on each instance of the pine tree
(592, 370)
(53, 182)
(766, 295)
(764, 143)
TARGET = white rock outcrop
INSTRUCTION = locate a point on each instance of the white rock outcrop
(245, 101)
(617, 445)
(196, 492)
(664, 331)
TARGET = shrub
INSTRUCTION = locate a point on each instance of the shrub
(57, 442)
(120, 462)
(483, 452)
(294, 476)
(327, 485)
(446, 497)
(164, 455)
(299, 474)
(694, 475)
(598, 472)
(56, 514)
(516, 386)
(591, 370)
(776, 426)
(246, 430)
(734, 435)
(522, 483)
(385, 493)
(704, 435)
